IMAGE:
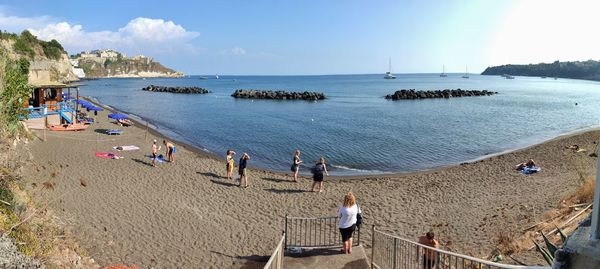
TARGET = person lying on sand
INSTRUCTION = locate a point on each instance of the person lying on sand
(124, 122)
(529, 164)
(574, 147)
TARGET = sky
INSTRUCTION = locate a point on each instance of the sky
(306, 37)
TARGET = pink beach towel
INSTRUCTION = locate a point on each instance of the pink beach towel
(107, 155)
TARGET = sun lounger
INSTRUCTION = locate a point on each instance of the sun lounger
(114, 132)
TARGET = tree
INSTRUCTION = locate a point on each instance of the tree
(14, 92)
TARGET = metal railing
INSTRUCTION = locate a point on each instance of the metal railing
(314, 232)
(392, 252)
(276, 259)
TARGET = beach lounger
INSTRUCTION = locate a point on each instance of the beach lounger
(114, 132)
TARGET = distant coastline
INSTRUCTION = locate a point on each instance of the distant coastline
(587, 70)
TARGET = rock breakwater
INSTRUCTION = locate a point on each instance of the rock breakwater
(278, 95)
(412, 94)
(187, 90)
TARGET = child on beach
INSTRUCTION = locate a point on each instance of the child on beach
(229, 163)
(318, 171)
(154, 152)
(296, 164)
(243, 171)
(170, 149)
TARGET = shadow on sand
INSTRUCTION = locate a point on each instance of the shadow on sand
(210, 174)
(142, 162)
(285, 190)
(226, 184)
(276, 179)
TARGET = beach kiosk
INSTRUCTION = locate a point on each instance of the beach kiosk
(51, 103)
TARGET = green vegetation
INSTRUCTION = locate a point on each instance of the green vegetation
(577, 70)
(550, 250)
(14, 91)
(26, 43)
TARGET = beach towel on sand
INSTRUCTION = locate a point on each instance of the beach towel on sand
(126, 148)
(159, 158)
(107, 155)
(114, 132)
(531, 170)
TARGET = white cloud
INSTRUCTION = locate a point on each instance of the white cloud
(17, 24)
(238, 51)
(140, 35)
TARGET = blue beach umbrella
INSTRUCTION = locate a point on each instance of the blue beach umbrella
(82, 102)
(95, 108)
(117, 116)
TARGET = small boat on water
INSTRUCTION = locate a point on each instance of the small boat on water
(509, 77)
(203, 78)
(443, 74)
(466, 75)
(388, 74)
(68, 127)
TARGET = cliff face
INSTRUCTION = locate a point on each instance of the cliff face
(589, 70)
(41, 67)
(109, 63)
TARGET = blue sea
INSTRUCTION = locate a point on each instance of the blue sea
(355, 128)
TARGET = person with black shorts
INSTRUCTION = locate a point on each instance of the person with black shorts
(348, 212)
(319, 171)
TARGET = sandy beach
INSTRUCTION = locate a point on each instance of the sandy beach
(186, 214)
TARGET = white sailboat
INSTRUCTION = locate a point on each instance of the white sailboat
(466, 75)
(443, 74)
(388, 74)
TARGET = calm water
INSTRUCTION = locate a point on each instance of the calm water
(356, 129)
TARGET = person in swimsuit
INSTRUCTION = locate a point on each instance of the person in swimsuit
(229, 163)
(243, 171)
(170, 149)
(296, 164)
(318, 171)
(154, 152)
(430, 257)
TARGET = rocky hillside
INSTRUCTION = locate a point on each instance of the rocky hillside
(577, 70)
(48, 61)
(110, 63)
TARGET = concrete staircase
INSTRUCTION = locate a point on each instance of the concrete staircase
(326, 258)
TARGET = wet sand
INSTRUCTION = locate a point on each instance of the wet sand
(185, 214)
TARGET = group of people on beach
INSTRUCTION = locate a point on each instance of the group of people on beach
(169, 150)
(319, 170)
(242, 167)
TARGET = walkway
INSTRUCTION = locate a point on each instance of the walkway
(328, 258)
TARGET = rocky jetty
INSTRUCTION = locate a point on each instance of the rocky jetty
(188, 90)
(278, 95)
(412, 94)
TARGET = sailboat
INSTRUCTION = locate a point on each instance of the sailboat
(443, 74)
(388, 74)
(466, 75)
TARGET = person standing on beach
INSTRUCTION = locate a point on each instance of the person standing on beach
(430, 257)
(230, 163)
(243, 171)
(318, 171)
(347, 213)
(170, 149)
(154, 152)
(296, 164)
